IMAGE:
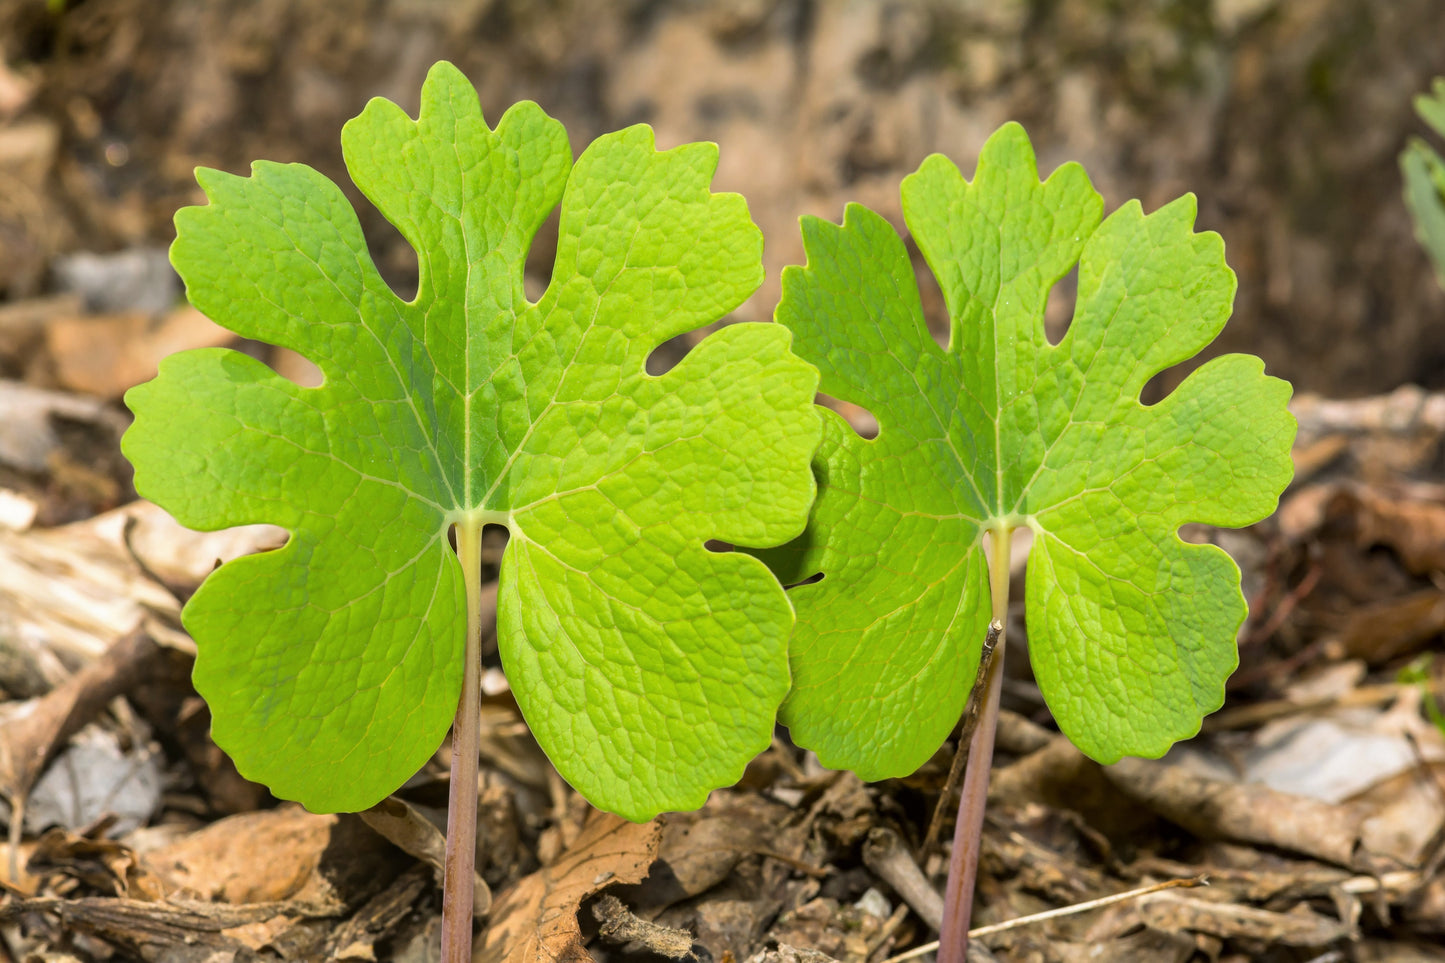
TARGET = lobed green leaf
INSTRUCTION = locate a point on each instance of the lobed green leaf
(1131, 631)
(649, 667)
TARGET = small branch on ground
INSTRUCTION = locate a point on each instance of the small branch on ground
(885, 854)
(1083, 907)
(619, 925)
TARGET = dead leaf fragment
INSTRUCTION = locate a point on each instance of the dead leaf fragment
(98, 862)
(315, 864)
(1215, 809)
(535, 920)
(1387, 630)
(71, 589)
(180, 557)
(28, 417)
(1174, 913)
(157, 930)
(104, 355)
(98, 775)
(1411, 522)
(412, 833)
(356, 939)
(35, 730)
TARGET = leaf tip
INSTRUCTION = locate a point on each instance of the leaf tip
(447, 89)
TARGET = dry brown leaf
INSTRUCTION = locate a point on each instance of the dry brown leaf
(316, 864)
(72, 589)
(1387, 630)
(100, 863)
(845, 810)
(1406, 816)
(104, 355)
(179, 556)
(719, 847)
(1412, 523)
(188, 931)
(535, 920)
(28, 416)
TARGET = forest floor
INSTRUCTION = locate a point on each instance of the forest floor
(1313, 803)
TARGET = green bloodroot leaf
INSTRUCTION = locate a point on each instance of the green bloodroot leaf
(1131, 631)
(1424, 173)
(649, 668)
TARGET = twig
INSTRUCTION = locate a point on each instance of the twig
(885, 854)
(798, 865)
(965, 734)
(1262, 712)
(619, 926)
(1403, 880)
(884, 939)
(1083, 907)
(1087, 905)
(1287, 605)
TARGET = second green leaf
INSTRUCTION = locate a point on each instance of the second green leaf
(1131, 630)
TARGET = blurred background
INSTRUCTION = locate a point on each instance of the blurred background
(1285, 119)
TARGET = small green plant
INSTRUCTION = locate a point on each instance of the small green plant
(1424, 172)
(1131, 630)
(649, 667)
(1422, 672)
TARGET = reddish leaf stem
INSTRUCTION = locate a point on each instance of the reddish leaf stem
(968, 830)
(461, 853)
(965, 736)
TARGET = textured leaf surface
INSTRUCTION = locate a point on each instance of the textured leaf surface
(649, 668)
(1131, 631)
